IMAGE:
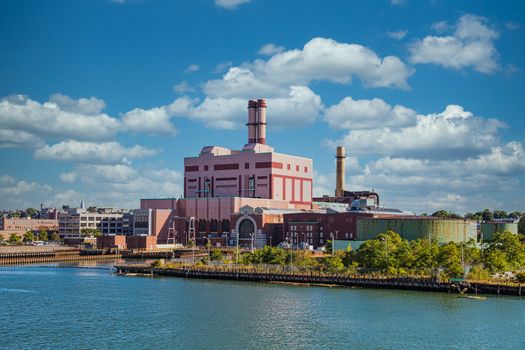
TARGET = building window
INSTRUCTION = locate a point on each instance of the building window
(205, 168)
(305, 169)
(288, 166)
(246, 165)
(202, 225)
(213, 226)
(225, 225)
(297, 168)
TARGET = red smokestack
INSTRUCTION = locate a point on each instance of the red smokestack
(261, 121)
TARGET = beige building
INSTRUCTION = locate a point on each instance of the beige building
(107, 221)
(22, 225)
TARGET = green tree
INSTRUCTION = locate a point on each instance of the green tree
(42, 235)
(515, 215)
(449, 259)
(90, 232)
(29, 237)
(511, 248)
(479, 273)
(55, 237)
(487, 215)
(14, 238)
(334, 263)
(31, 212)
(495, 260)
(440, 214)
(500, 214)
(521, 225)
(328, 247)
(216, 255)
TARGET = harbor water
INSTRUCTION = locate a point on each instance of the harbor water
(81, 307)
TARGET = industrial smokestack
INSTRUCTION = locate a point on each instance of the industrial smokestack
(261, 121)
(252, 123)
(340, 171)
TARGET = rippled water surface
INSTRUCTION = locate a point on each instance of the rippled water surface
(77, 308)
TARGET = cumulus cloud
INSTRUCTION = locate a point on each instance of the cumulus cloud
(94, 173)
(19, 139)
(368, 114)
(459, 185)
(183, 87)
(512, 25)
(398, 2)
(61, 116)
(327, 59)
(154, 121)
(16, 194)
(470, 45)
(270, 49)
(87, 106)
(301, 105)
(230, 4)
(400, 34)
(192, 68)
(90, 152)
(451, 134)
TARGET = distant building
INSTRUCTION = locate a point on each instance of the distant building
(111, 242)
(106, 220)
(20, 226)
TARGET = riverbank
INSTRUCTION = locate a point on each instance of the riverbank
(316, 278)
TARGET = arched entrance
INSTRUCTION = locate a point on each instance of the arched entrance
(246, 228)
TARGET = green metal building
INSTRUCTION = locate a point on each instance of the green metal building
(489, 229)
(440, 230)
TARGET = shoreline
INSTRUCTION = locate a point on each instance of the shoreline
(326, 280)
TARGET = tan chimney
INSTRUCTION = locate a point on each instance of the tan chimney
(340, 171)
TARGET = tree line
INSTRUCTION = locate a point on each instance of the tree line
(392, 255)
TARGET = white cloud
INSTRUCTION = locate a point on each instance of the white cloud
(270, 49)
(151, 121)
(441, 26)
(230, 4)
(19, 139)
(60, 117)
(192, 68)
(377, 128)
(10, 189)
(90, 152)
(95, 173)
(512, 25)
(87, 106)
(319, 59)
(183, 87)
(68, 177)
(326, 59)
(400, 34)
(300, 106)
(464, 185)
(430, 137)
(367, 114)
(398, 2)
(471, 45)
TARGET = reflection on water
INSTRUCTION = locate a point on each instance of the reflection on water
(106, 311)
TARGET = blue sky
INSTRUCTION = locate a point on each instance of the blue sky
(101, 100)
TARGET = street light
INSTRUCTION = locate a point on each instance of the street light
(252, 235)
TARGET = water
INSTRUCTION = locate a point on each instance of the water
(49, 308)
